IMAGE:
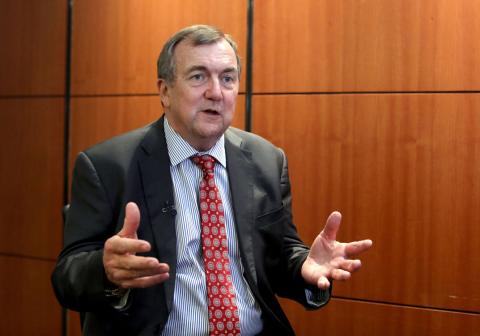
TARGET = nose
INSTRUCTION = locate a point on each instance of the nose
(214, 90)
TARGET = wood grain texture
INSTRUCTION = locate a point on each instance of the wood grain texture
(117, 42)
(377, 45)
(405, 171)
(74, 325)
(99, 118)
(28, 304)
(353, 318)
(32, 55)
(31, 176)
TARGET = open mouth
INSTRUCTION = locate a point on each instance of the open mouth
(210, 112)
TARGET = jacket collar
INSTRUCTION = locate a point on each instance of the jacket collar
(240, 175)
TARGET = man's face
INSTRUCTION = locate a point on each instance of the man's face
(200, 102)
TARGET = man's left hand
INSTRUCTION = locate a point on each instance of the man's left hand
(330, 259)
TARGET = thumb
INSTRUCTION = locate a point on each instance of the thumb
(331, 227)
(131, 222)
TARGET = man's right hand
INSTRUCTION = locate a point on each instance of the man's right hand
(122, 266)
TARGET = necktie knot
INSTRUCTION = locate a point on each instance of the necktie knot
(205, 162)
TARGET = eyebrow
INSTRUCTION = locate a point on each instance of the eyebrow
(230, 69)
(195, 68)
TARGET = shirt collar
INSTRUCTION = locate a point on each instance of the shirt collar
(180, 150)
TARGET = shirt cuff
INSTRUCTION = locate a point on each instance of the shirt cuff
(118, 297)
(317, 298)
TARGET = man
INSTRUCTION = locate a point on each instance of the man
(184, 227)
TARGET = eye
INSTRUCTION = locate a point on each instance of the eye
(229, 79)
(197, 77)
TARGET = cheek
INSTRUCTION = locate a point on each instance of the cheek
(190, 102)
(186, 104)
(231, 102)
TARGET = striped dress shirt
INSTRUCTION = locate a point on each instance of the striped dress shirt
(189, 314)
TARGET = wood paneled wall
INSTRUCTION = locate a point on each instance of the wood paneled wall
(116, 42)
(373, 45)
(32, 88)
(375, 102)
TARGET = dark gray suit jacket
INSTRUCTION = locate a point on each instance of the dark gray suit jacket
(136, 167)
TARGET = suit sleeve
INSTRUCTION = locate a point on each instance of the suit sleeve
(79, 279)
(295, 254)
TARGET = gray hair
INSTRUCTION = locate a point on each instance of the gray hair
(198, 35)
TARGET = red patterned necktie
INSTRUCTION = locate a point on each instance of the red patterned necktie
(222, 306)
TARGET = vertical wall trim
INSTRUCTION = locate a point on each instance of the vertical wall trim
(67, 97)
(248, 68)
(66, 129)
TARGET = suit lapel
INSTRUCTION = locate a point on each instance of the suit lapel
(240, 175)
(157, 183)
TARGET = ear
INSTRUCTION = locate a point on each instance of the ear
(164, 92)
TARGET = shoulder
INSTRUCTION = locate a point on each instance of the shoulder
(260, 147)
(250, 141)
(123, 147)
(265, 156)
(116, 155)
(120, 145)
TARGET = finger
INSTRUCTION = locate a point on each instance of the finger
(331, 227)
(147, 281)
(131, 221)
(119, 275)
(323, 282)
(118, 245)
(357, 247)
(135, 263)
(122, 275)
(339, 274)
(349, 265)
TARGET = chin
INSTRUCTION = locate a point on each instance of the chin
(212, 132)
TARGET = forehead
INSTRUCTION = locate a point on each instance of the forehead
(215, 56)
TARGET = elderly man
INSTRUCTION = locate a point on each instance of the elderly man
(184, 227)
